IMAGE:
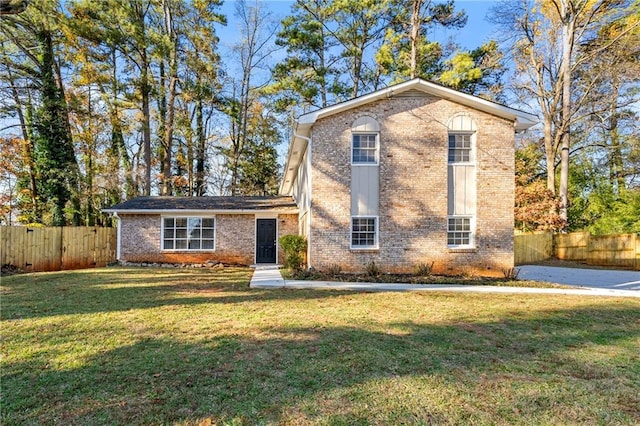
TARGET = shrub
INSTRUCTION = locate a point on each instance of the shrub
(294, 247)
(511, 273)
(423, 269)
(372, 269)
(334, 269)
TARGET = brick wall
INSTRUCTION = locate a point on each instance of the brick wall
(235, 239)
(413, 189)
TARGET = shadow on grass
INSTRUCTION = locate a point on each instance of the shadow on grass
(250, 380)
(122, 289)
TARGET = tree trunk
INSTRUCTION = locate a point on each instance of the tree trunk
(568, 22)
(616, 174)
(200, 151)
(25, 125)
(145, 90)
(413, 37)
(550, 155)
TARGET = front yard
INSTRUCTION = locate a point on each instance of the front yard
(167, 346)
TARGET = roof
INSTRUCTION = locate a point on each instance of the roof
(302, 128)
(158, 205)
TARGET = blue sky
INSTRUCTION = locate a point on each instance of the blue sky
(476, 32)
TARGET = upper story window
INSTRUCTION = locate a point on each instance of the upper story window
(459, 148)
(365, 133)
(364, 149)
(188, 233)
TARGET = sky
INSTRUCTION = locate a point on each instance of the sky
(476, 32)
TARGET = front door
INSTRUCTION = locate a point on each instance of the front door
(266, 241)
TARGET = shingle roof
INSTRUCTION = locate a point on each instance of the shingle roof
(160, 204)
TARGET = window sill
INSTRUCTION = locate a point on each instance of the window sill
(364, 249)
(462, 249)
(188, 251)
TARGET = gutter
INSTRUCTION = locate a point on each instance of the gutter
(183, 212)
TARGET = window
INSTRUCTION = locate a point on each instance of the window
(461, 192)
(188, 233)
(459, 148)
(364, 149)
(364, 232)
(459, 231)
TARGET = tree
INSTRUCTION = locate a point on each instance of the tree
(407, 51)
(545, 41)
(200, 87)
(16, 101)
(536, 208)
(124, 27)
(477, 72)
(309, 77)
(259, 164)
(257, 30)
(35, 34)
(359, 28)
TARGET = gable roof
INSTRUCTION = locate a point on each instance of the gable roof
(204, 205)
(302, 128)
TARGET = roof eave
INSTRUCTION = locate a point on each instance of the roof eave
(185, 212)
(300, 133)
(525, 120)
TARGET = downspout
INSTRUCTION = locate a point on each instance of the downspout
(308, 206)
(119, 236)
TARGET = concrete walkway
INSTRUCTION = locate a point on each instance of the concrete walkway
(269, 277)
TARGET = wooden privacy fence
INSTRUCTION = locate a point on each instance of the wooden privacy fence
(533, 247)
(56, 248)
(621, 250)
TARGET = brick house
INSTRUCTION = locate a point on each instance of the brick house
(234, 230)
(412, 174)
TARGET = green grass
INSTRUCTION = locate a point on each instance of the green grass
(165, 346)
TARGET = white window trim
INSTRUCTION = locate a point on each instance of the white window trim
(472, 232)
(377, 155)
(376, 246)
(170, 216)
(472, 152)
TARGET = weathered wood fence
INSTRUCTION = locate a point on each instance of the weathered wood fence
(621, 250)
(56, 248)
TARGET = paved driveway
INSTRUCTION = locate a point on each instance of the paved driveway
(594, 278)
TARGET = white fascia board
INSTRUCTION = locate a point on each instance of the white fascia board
(523, 120)
(183, 212)
(298, 145)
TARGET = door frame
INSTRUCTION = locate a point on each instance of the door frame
(255, 233)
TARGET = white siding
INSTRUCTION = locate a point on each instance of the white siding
(302, 196)
(365, 124)
(365, 190)
(301, 185)
(462, 122)
(462, 190)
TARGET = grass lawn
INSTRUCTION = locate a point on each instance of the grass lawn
(167, 346)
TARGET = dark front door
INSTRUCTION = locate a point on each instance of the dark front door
(266, 241)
